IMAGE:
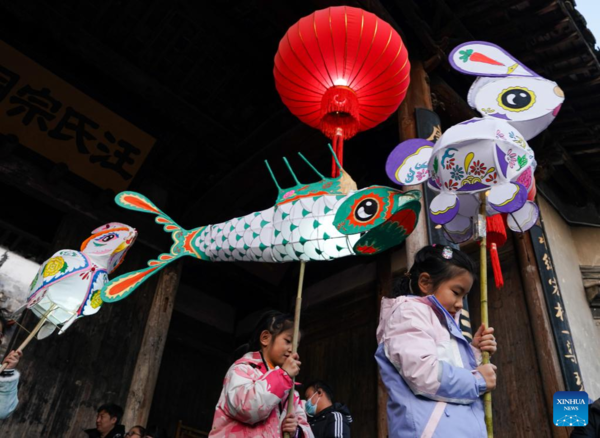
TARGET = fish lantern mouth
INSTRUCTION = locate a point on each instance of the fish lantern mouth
(393, 231)
(379, 216)
(340, 109)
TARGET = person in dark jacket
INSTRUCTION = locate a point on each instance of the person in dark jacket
(107, 422)
(327, 418)
(592, 429)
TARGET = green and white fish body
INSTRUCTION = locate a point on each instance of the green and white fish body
(321, 221)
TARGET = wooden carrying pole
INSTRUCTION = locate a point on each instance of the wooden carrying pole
(290, 405)
(487, 397)
(33, 333)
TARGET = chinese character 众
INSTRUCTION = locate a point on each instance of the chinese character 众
(74, 125)
(36, 104)
(8, 79)
(121, 156)
(552, 282)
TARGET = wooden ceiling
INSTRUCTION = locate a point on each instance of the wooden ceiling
(198, 77)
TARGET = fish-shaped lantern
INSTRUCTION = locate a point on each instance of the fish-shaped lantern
(324, 220)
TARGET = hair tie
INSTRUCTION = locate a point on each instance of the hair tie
(407, 274)
(447, 253)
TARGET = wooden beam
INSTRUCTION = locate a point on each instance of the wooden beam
(222, 195)
(143, 382)
(589, 185)
(454, 105)
(418, 96)
(32, 180)
(551, 374)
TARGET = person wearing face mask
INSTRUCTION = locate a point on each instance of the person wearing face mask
(326, 418)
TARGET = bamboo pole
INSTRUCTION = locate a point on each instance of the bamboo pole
(33, 333)
(487, 397)
(290, 405)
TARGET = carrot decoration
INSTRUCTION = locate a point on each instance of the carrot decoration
(469, 55)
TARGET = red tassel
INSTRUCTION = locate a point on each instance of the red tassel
(338, 150)
(496, 237)
(498, 278)
(340, 109)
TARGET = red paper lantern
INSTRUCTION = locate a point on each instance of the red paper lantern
(342, 70)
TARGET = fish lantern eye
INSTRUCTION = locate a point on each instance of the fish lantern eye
(516, 99)
(366, 210)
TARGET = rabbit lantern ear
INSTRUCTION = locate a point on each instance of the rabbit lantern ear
(479, 58)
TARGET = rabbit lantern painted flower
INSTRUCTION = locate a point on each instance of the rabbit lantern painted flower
(67, 286)
(484, 153)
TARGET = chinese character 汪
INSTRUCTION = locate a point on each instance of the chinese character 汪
(35, 104)
(74, 125)
(123, 155)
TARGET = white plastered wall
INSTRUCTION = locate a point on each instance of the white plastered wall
(570, 248)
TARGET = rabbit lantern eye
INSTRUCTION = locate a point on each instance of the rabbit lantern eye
(516, 99)
(366, 210)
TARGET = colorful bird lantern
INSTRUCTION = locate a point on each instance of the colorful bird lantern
(342, 70)
(67, 286)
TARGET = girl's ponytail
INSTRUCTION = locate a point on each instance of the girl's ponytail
(274, 322)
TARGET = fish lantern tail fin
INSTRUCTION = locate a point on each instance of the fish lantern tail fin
(123, 285)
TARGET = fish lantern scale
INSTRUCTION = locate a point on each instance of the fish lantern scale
(342, 70)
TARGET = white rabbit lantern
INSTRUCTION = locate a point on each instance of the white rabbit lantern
(67, 286)
(507, 90)
(488, 153)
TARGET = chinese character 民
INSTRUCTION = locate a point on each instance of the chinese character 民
(122, 156)
(8, 80)
(35, 104)
(77, 124)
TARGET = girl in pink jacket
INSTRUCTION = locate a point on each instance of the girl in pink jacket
(253, 401)
(433, 375)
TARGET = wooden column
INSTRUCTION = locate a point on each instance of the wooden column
(384, 287)
(418, 96)
(143, 382)
(546, 351)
